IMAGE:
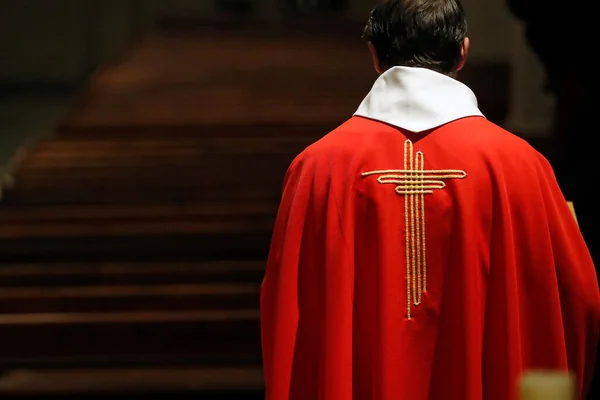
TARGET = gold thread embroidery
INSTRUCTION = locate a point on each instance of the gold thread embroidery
(406, 225)
(412, 222)
(418, 223)
(424, 252)
(414, 182)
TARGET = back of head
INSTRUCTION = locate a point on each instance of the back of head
(418, 33)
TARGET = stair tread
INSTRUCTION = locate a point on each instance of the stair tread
(130, 380)
(52, 213)
(126, 291)
(147, 228)
(127, 268)
(80, 274)
(127, 317)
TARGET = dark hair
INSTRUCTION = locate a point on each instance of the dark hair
(417, 33)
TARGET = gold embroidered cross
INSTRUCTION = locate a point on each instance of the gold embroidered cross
(414, 182)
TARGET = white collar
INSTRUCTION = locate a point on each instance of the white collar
(417, 99)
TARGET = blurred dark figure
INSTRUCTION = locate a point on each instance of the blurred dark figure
(561, 36)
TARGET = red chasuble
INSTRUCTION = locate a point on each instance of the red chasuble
(424, 264)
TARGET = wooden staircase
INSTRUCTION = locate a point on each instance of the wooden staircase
(169, 328)
(133, 241)
(131, 261)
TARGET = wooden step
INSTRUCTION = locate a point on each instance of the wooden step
(82, 228)
(69, 299)
(272, 134)
(119, 165)
(56, 213)
(130, 226)
(170, 80)
(28, 338)
(51, 275)
(246, 244)
(201, 171)
(143, 143)
(131, 381)
(209, 179)
(108, 195)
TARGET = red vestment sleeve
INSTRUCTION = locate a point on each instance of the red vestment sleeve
(578, 286)
(306, 296)
(543, 305)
